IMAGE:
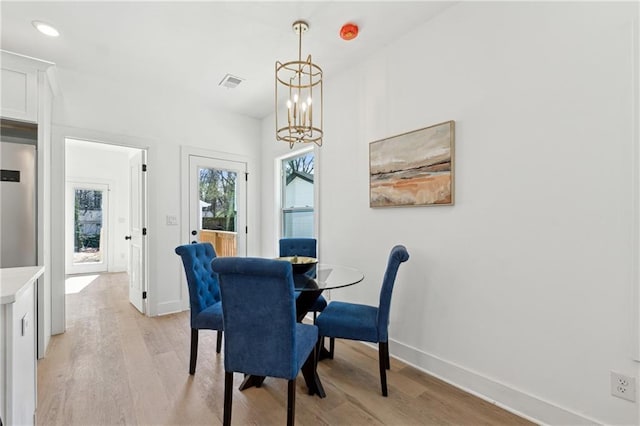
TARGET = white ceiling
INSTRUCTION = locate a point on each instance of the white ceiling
(190, 46)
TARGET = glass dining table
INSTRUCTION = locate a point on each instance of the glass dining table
(311, 285)
(324, 277)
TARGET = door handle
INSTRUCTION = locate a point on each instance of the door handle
(128, 237)
(194, 232)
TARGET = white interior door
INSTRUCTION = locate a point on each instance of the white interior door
(138, 231)
(87, 227)
(217, 204)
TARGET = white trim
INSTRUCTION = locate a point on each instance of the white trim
(501, 394)
(316, 199)
(45, 105)
(635, 196)
(277, 203)
(172, 307)
(635, 184)
(58, 265)
(59, 135)
(53, 81)
(17, 59)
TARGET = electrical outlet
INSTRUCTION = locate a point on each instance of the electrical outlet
(623, 386)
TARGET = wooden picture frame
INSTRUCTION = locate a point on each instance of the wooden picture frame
(414, 168)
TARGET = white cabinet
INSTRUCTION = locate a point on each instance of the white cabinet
(27, 96)
(18, 345)
(21, 81)
(19, 93)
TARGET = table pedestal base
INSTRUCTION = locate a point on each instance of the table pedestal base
(308, 372)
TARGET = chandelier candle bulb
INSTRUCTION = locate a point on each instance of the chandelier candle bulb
(304, 114)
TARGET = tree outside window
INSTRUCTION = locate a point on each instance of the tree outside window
(218, 193)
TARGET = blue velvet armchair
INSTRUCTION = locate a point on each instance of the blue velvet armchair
(303, 247)
(363, 322)
(204, 294)
(262, 337)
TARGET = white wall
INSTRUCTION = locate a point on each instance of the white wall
(100, 163)
(523, 290)
(145, 115)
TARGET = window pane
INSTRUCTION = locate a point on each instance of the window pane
(218, 199)
(297, 196)
(298, 181)
(87, 227)
(297, 223)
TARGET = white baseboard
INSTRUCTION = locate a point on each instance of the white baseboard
(171, 307)
(513, 400)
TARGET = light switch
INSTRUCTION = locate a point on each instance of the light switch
(172, 220)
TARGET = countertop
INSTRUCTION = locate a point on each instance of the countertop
(13, 281)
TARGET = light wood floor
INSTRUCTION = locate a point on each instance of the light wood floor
(115, 366)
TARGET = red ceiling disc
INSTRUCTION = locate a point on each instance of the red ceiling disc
(349, 31)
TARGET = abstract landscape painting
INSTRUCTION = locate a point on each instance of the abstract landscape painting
(413, 169)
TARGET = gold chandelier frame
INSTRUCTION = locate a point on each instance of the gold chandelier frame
(302, 81)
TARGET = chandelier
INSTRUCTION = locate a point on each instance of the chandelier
(302, 82)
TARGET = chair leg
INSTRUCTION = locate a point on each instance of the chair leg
(291, 402)
(386, 356)
(228, 396)
(194, 351)
(383, 348)
(219, 341)
(332, 345)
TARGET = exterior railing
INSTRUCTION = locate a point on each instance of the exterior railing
(224, 242)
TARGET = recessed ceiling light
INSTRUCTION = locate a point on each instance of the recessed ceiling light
(46, 29)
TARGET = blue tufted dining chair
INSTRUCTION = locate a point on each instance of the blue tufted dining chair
(303, 247)
(363, 322)
(204, 294)
(262, 337)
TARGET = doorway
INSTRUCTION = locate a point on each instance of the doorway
(105, 212)
(217, 204)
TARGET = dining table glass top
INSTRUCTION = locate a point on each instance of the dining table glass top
(326, 277)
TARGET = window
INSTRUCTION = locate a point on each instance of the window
(87, 228)
(297, 174)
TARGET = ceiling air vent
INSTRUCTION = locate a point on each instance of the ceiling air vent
(230, 81)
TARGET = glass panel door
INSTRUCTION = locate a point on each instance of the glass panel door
(88, 240)
(219, 196)
(87, 218)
